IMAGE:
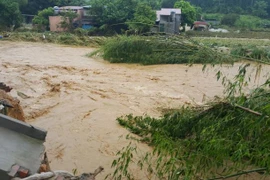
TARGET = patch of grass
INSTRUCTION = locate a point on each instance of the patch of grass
(230, 42)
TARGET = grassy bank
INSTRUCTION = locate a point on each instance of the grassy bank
(57, 38)
(230, 42)
(255, 49)
(242, 34)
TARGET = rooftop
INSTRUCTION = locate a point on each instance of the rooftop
(167, 12)
(71, 7)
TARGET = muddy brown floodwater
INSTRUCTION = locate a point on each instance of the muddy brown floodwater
(77, 99)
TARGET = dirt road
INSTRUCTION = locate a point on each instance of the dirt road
(77, 99)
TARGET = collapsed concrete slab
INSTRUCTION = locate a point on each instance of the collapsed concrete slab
(20, 144)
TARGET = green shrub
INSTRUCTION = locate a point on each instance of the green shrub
(80, 32)
(41, 20)
(249, 22)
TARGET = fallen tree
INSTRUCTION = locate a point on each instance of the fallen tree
(222, 138)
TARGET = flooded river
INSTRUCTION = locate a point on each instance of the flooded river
(77, 99)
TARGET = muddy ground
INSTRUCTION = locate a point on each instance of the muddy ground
(77, 99)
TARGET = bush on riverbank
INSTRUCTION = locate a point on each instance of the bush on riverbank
(159, 50)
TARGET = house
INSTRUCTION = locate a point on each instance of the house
(22, 150)
(168, 20)
(84, 19)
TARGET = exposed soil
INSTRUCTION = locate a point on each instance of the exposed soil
(77, 99)
(16, 111)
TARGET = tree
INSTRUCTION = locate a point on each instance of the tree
(10, 15)
(113, 13)
(144, 18)
(42, 19)
(259, 9)
(154, 4)
(67, 20)
(256, 7)
(69, 2)
(188, 12)
(34, 6)
(167, 3)
(21, 2)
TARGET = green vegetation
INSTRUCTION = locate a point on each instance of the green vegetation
(234, 33)
(67, 20)
(229, 19)
(144, 18)
(42, 19)
(10, 16)
(118, 16)
(252, 52)
(158, 50)
(260, 8)
(63, 38)
(225, 138)
(250, 22)
(257, 49)
(188, 11)
(115, 14)
(230, 42)
(33, 6)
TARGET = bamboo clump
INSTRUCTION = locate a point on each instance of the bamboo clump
(159, 50)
